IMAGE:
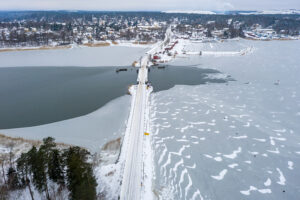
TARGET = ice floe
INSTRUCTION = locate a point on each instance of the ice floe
(221, 175)
(234, 153)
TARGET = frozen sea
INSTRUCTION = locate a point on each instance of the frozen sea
(83, 105)
(91, 130)
(76, 56)
(236, 140)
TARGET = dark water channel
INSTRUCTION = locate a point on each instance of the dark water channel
(31, 96)
(166, 77)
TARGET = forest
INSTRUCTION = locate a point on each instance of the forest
(52, 172)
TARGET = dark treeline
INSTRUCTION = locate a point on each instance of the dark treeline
(68, 169)
(68, 16)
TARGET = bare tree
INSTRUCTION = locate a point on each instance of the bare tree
(11, 146)
(3, 158)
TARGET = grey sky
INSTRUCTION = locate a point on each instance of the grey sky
(148, 4)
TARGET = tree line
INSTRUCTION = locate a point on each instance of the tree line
(69, 169)
(38, 28)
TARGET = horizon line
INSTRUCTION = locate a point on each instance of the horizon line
(177, 10)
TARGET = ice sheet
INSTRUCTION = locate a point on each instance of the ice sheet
(251, 123)
(90, 131)
(77, 56)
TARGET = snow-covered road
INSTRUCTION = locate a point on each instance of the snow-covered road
(131, 183)
(132, 149)
(133, 142)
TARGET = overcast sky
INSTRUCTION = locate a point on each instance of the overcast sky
(148, 5)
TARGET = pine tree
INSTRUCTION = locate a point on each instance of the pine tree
(55, 167)
(225, 35)
(47, 146)
(241, 33)
(53, 160)
(48, 163)
(38, 166)
(23, 168)
(208, 33)
(81, 181)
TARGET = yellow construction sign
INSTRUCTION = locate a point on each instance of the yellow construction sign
(146, 133)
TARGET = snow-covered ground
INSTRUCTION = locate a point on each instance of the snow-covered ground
(231, 141)
(90, 131)
(76, 56)
(17, 146)
(93, 131)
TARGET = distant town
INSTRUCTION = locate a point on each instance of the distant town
(63, 28)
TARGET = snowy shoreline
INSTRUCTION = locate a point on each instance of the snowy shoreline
(73, 57)
(70, 46)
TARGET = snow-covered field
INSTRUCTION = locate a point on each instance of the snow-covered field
(123, 55)
(231, 141)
